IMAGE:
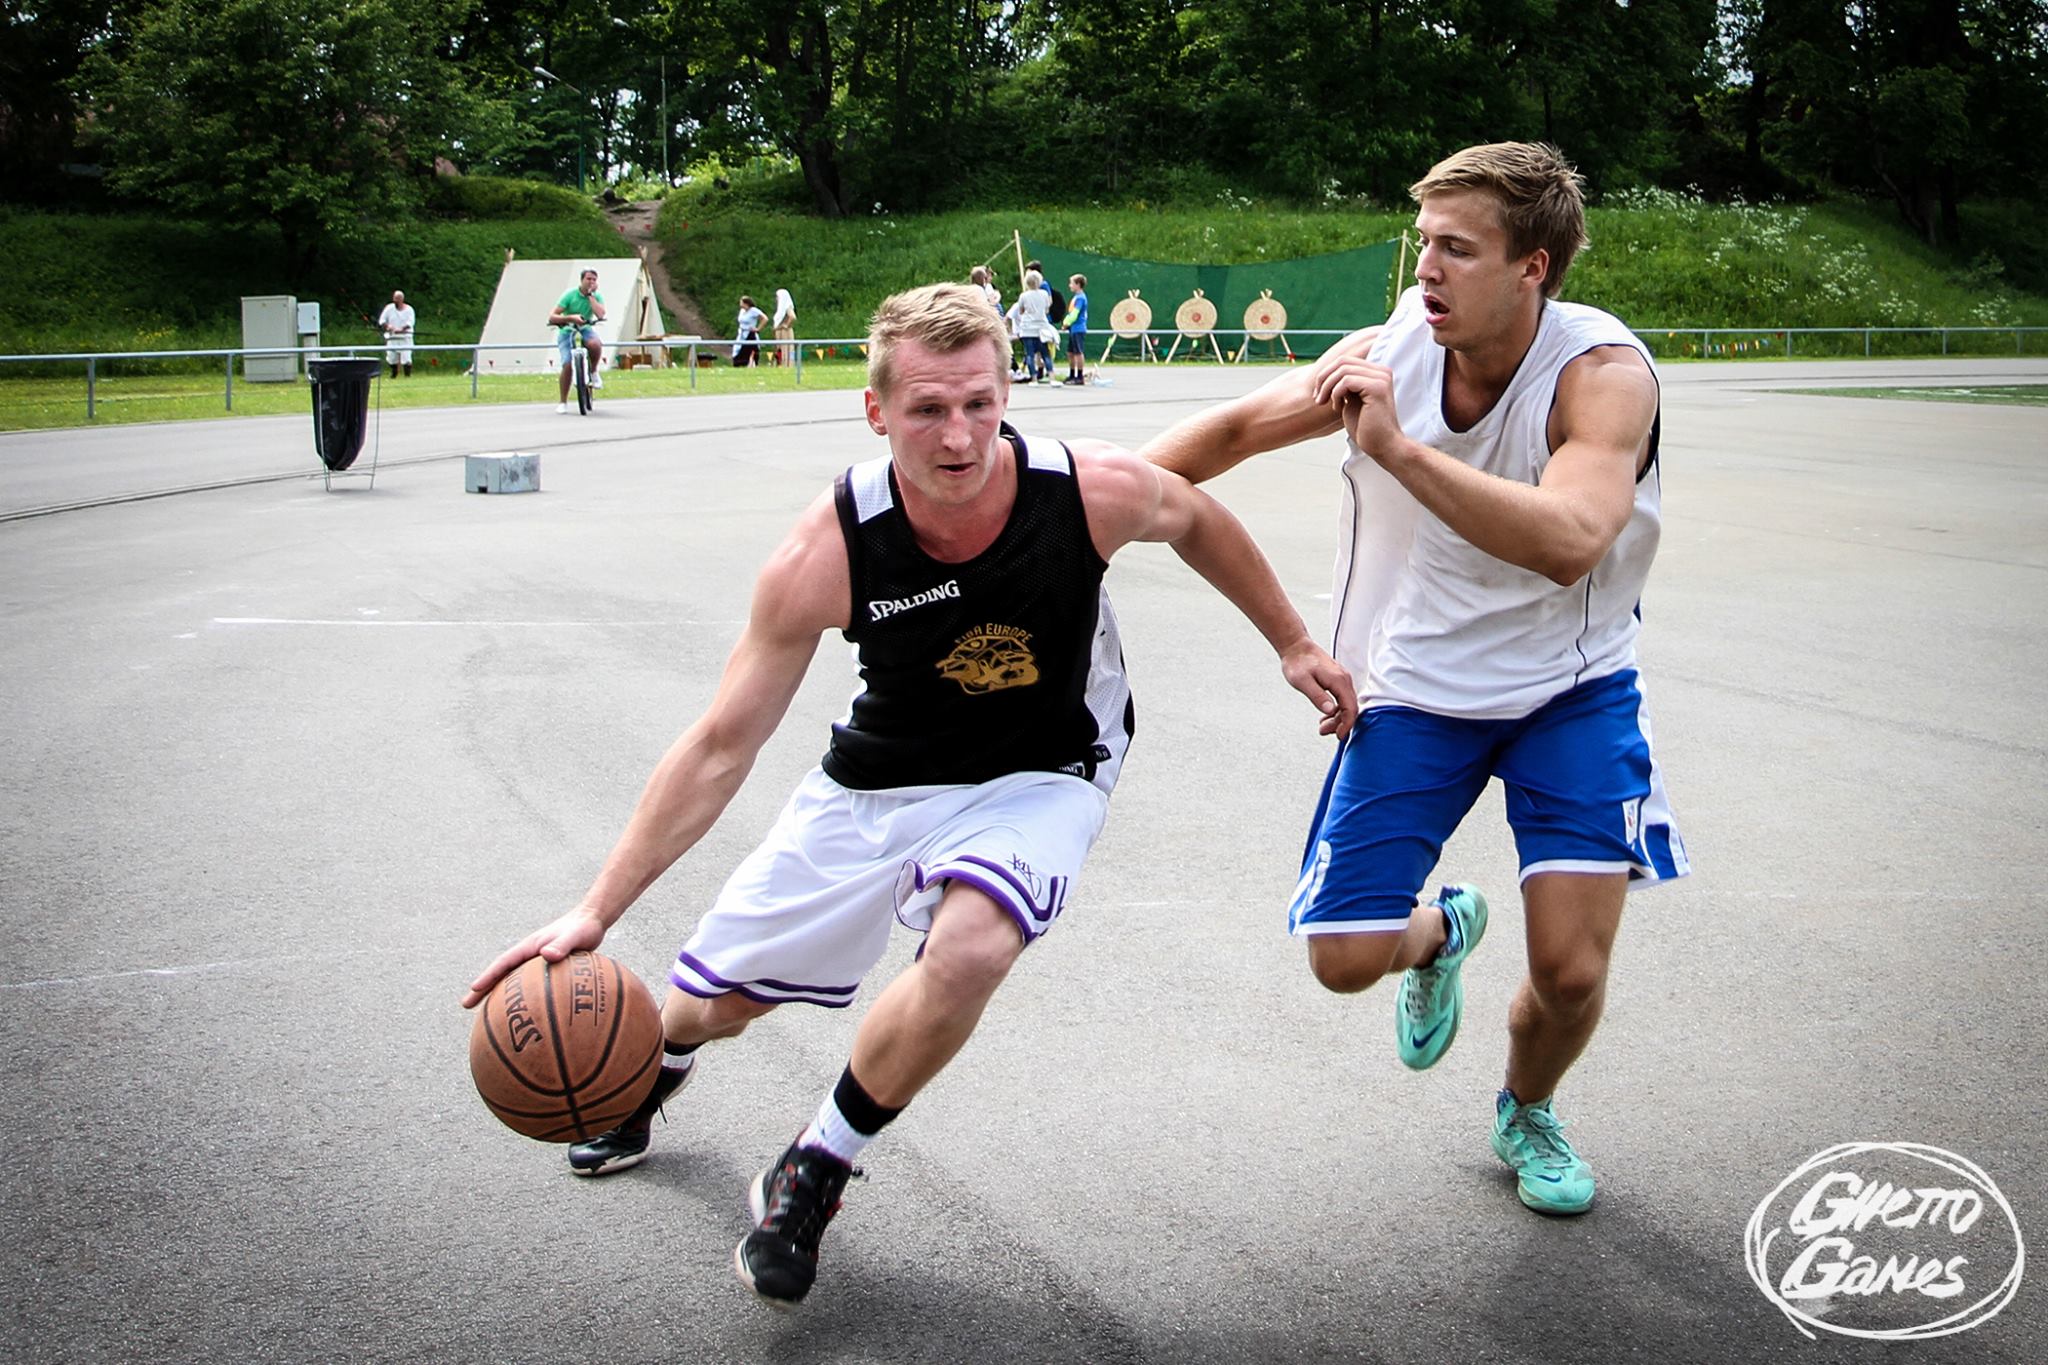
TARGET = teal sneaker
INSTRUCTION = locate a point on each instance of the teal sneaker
(1431, 998)
(1549, 1176)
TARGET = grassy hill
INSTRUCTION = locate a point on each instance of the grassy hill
(133, 282)
(123, 282)
(1658, 260)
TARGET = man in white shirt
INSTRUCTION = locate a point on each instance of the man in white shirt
(1501, 513)
(397, 321)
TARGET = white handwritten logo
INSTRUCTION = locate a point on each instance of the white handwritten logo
(1880, 1244)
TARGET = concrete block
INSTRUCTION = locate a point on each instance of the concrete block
(501, 471)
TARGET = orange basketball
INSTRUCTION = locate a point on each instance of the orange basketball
(562, 1051)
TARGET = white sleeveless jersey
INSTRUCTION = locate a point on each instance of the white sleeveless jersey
(1424, 619)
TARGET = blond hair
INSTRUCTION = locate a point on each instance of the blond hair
(940, 317)
(1542, 199)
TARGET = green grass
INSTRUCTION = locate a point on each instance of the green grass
(1661, 261)
(1658, 260)
(1670, 261)
(837, 271)
(2015, 395)
(129, 282)
(49, 403)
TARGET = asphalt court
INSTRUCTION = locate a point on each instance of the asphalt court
(283, 766)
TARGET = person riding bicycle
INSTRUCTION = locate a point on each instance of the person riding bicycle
(576, 314)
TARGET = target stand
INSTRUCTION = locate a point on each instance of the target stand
(1130, 320)
(1265, 320)
(1196, 320)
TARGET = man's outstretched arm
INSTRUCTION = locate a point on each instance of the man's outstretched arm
(1279, 413)
(1130, 499)
(802, 591)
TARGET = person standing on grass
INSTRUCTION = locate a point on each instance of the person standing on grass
(576, 315)
(746, 346)
(967, 781)
(784, 323)
(980, 279)
(397, 321)
(1501, 512)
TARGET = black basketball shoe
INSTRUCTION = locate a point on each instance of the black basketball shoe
(626, 1145)
(792, 1200)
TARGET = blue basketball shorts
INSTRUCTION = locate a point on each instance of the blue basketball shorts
(567, 337)
(1584, 794)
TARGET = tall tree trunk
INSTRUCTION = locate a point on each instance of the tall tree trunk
(820, 164)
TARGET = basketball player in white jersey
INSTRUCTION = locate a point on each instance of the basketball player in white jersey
(1499, 519)
(969, 776)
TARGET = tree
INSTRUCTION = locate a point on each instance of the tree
(42, 43)
(310, 115)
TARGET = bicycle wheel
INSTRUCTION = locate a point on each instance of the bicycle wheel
(582, 380)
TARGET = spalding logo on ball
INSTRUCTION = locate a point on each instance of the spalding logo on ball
(563, 1051)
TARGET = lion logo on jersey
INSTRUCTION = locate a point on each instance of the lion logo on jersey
(990, 658)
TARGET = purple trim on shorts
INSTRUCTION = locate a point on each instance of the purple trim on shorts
(1023, 892)
(689, 988)
(715, 979)
(1001, 893)
(1056, 890)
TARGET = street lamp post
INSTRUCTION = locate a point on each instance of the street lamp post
(617, 22)
(582, 181)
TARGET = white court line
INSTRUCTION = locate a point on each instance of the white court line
(186, 970)
(370, 621)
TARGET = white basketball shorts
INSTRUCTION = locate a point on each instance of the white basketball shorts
(808, 913)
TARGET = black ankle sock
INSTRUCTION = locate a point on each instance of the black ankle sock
(858, 1107)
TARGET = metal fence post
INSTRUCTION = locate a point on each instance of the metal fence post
(476, 365)
(89, 376)
(693, 364)
(1866, 342)
(1788, 343)
(796, 350)
(1944, 341)
(231, 381)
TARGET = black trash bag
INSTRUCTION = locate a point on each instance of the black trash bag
(341, 408)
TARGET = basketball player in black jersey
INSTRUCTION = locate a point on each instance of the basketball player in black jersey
(964, 787)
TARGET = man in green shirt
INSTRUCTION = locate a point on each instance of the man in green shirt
(576, 314)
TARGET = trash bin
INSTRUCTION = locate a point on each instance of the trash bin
(341, 409)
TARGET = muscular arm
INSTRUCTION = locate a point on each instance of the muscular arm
(1562, 526)
(1130, 499)
(1276, 414)
(802, 591)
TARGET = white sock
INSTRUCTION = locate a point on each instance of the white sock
(830, 1132)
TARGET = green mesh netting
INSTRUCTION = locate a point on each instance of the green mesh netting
(1341, 292)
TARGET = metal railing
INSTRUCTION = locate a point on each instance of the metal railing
(352, 351)
(1710, 348)
(1733, 343)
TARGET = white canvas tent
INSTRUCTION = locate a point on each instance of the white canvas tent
(527, 291)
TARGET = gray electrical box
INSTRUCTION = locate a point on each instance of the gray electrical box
(309, 330)
(270, 320)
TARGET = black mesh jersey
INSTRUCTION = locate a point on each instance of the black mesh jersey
(1007, 663)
